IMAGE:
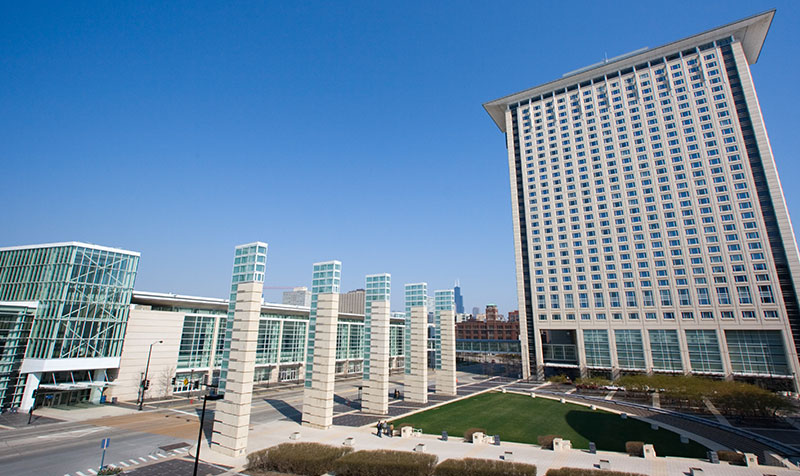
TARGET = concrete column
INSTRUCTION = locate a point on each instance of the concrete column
(318, 398)
(232, 416)
(685, 362)
(375, 398)
(581, 353)
(648, 352)
(97, 392)
(612, 348)
(446, 376)
(31, 384)
(416, 382)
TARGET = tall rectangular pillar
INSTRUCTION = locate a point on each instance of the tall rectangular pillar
(232, 415)
(375, 398)
(416, 381)
(444, 302)
(321, 349)
(446, 375)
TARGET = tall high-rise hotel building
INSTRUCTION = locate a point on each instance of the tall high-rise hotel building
(651, 232)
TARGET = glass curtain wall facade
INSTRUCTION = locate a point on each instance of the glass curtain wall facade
(645, 195)
(16, 319)
(326, 278)
(249, 265)
(83, 295)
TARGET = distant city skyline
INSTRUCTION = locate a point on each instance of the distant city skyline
(163, 121)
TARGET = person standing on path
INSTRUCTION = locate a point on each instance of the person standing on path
(380, 427)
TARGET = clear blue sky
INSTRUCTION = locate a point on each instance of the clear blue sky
(330, 130)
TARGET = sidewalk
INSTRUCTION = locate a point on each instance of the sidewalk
(365, 439)
(75, 414)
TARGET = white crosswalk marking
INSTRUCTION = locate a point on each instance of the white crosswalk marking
(133, 461)
(152, 457)
(160, 455)
(92, 471)
(124, 464)
(79, 473)
(144, 460)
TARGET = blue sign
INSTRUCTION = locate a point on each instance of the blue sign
(105, 443)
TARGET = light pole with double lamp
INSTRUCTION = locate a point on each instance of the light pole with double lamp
(142, 386)
(206, 398)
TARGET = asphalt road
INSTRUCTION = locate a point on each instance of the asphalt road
(74, 448)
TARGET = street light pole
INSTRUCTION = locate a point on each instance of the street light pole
(206, 398)
(147, 369)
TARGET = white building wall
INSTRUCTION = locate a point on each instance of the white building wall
(145, 327)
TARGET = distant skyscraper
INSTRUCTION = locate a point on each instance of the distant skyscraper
(459, 298)
(299, 296)
(650, 229)
(353, 302)
(475, 311)
(491, 312)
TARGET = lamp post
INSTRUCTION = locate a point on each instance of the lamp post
(206, 398)
(147, 369)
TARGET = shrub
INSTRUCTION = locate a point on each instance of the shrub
(634, 448)
(731, 456)
(483, 467)
(310, 459)
(559, 379)
(592, 383)
(469, 432)
(587, 472)
(107, 470)
(546, 441)
(385, 463)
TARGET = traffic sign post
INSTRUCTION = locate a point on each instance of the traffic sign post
(103, 445)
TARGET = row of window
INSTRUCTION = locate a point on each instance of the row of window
(666, 316)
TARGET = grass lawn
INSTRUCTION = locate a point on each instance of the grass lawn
(521, 418)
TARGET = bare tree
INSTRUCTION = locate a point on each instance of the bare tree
(165, 381)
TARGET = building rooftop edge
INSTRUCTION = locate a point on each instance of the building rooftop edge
(186, 299)
(70, 243)
(750, 31)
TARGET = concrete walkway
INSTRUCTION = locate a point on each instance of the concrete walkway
(365, 439)
(87, 413)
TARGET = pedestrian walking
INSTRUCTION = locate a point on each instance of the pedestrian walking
(391, 430)
(379, 427)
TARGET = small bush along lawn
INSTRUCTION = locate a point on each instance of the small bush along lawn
(311, 459)
(523, 419)
(587, 472)
(483, 467)
(385, 463)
